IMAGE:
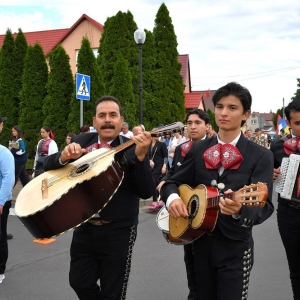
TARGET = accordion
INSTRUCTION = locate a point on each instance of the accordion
(289, 180)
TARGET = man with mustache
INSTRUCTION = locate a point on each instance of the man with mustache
(102, 247)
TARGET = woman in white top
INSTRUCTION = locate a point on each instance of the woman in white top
(45, 147)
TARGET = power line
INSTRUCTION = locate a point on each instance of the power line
(250, 74)
(251, 78)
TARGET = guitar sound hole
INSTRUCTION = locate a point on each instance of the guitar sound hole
(193, 206)
(80, 170)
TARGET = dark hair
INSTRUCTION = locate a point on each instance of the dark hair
(234, 89)
(51, 134)
(84, 128)
(201, 113)
(107, 98)
(293, 106)
(19, 130)
(71, 134)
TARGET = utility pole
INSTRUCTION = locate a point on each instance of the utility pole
(283, 108)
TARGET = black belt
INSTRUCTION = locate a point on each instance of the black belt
(98, 221)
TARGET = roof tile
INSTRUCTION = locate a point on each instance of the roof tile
(192, 100)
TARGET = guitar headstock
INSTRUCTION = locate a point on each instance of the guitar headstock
(168, 129)
(252, 195)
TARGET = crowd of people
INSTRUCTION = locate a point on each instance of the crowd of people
(219, 262)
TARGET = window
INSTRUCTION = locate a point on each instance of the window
(253, 122)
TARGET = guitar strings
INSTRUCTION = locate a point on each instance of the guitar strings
(82, 166)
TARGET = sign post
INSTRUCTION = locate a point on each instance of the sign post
(83, 91)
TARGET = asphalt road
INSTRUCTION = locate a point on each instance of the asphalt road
(36, 271)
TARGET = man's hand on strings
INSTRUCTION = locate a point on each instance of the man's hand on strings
(71, 151)
(142, 141)
(177, 209)
(229, 206)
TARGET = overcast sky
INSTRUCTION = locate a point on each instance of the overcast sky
(255, 43)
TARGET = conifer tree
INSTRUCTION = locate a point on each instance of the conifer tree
(8, 107)
(32, 95)
(169, 86)
(153, 109)
(118, 39)
(87, 65)
(19, 57)
(212, 120)
(122, 89)
(60, 88)
(297, 94)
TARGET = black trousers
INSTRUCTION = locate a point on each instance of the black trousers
(288, 219)
(102, 252)
(222, 266)
(3, 236)
(20, 172)
(190, 271)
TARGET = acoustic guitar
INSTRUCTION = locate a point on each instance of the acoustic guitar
(60, 200)
(202, 204)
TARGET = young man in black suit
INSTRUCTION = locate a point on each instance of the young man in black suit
(197, 122)
(102, 247)
(288, 212)
(224, 256)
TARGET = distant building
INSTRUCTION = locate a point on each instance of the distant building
(260, 120)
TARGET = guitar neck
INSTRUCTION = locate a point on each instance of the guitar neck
(214, 201)
(168, 129)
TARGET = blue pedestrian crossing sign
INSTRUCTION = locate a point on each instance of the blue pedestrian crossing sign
(83, 87)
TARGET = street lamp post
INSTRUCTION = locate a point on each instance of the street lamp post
(140, 37)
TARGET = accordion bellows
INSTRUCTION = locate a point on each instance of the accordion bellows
(288, 177)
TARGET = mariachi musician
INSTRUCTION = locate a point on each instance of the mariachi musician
(197, 122)
(102, 247)
(288, 212)
(223, 257)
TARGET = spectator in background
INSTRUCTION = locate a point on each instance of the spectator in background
(158, 154)
(17, 147)
(137, 129)
(248, 134)
(125, 130)
(85, 129)
(210, 132)
(176, 140)
(167, 141)
(45, 147)
(259, 138)
(7, 180)
(68, 137)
